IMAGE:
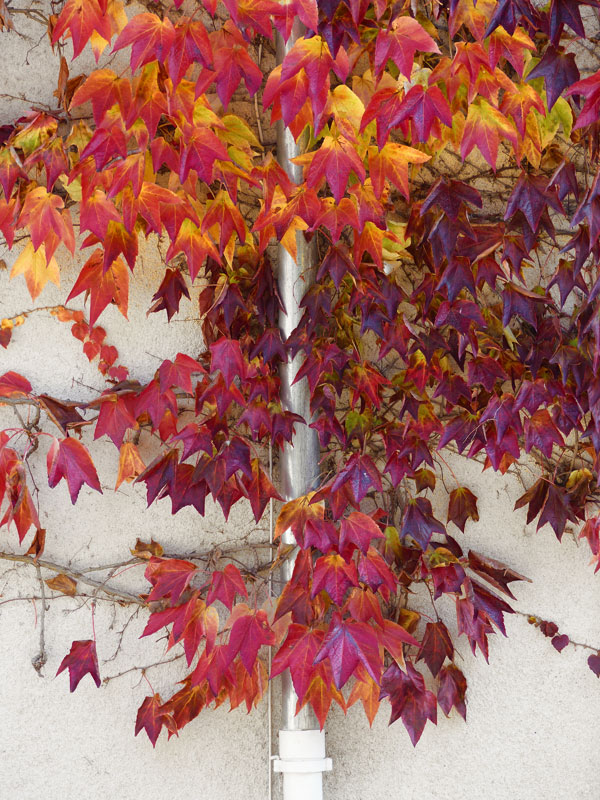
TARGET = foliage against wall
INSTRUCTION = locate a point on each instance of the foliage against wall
(449, 182)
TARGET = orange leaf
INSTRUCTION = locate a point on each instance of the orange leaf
(130, 465)
(36, 269)
(62, 583)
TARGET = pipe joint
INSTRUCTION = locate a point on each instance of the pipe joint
(302, 752)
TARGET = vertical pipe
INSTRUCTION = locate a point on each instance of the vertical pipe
(300, 460)
(301, 744)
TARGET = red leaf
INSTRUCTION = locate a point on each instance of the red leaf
(259, 489)
(227, 357)
(451, 694)
(81, 660)
(462, 506)
(409, 698)
(151, 718)
(169, 578)
(11, 384)
(400, 43)
(69, 459)
(348, 644)
(248, 634)
(81, 18)
(357, 531)
(103, 286)
(334, 575)
(436, 646)
(420, 523)
(560, 642)
(150, 38)
(594, 665)
(224, 586)
(298, 653)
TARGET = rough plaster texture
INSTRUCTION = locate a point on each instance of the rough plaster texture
(532, 712)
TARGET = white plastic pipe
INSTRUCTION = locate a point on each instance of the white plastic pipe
(302, 762)
(301, 757)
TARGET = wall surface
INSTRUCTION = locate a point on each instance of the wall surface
(532, 712)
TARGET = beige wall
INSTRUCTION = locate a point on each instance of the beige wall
(532, 714)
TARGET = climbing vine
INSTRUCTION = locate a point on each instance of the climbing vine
(449, 185)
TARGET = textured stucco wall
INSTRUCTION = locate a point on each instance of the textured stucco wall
(532, 713)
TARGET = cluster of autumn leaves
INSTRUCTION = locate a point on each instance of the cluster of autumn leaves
(423, 328)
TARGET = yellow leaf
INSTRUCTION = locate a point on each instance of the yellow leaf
(32, 264)
(130, 464)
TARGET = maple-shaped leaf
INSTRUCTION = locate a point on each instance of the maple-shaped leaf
(450, 196)
(225, 584)
(102, 286)
(361, 473)
(168, 295)
(373, 570)
(151, 718)
(192, 621)
(391, 163)
(36, 268)
(367, 691)
(186, 704)
(335, 159)
(334, 575)
(190, 46)
(531, 196)
(419, 522)
(457, 276)
(313, 56)
(559, 70)
(249, 632)
(462, 506)
(590, 89)
(81, 660)
(298, 654)
(556, 510)
(510, 13)
(227, 357)
(348, 644)
(395, 637)
(321, 692)
(81, 18)
(357, 531)
(150, 37)
(567, 12)
(541, 432)
(69, 459)
(116, 417)
(518, 102)
(409, 698)
(436, 646)
(259, 489)
(103, 88)
(452, 690)
(400, 43)
(179, 373)
(296, 514)
(494, 572)
(485, 128)
(169, 578)
(47, 224)
(131, 465)
(424, 109)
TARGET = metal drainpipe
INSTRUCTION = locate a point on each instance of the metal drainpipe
(301, 744)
